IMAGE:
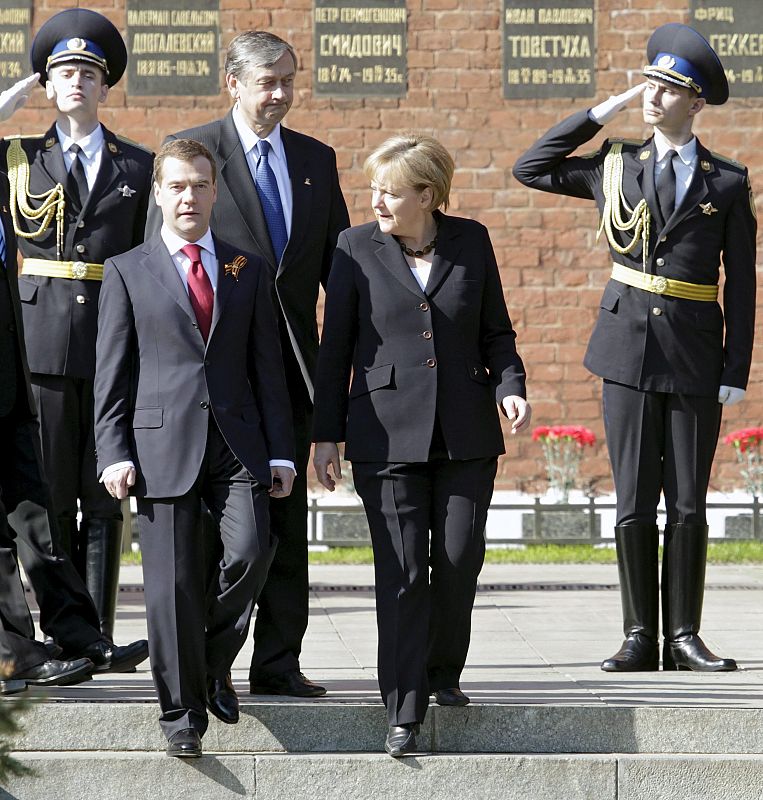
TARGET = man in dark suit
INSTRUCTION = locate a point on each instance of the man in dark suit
(191, 405)
(671, 210)
(79, 194)
(279, 197)
(25, 501)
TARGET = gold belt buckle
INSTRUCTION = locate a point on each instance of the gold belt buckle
(79, 270)
(659, 285)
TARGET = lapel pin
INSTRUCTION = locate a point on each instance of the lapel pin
(112, 148)
(126, 191)
(708, 208)
(307, 182)
(50, 142)
(645, 154)
(238, 263)
(706, 166)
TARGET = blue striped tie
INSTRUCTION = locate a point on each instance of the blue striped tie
(3, 252)
(267, 189)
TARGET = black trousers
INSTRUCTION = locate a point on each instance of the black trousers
(65, 409)
(427, 523)
(660, 443)
(196, 629)
(67, 612)
(17, 643)
(283, 604)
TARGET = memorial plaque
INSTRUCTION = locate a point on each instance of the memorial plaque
(15, 30)
(549, 49)
(173, 46)
(360, 47)
(735, 31)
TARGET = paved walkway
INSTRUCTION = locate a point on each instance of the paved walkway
(539, 633)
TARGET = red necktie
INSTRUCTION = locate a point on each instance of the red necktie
(200, 290)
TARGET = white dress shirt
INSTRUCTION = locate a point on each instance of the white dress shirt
(276, 159)
(92, 147)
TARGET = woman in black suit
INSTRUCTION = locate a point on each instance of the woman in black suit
(415, 313)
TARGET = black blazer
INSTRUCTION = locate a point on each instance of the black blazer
(651, 341)
(61, 315)
(449, 351)
(157, 383)
(319, 214)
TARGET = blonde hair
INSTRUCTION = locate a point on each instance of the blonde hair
(416, 161)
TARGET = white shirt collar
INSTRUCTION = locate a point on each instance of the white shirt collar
(90, 144)
(686, 152)
(176, 243)
(249, 138)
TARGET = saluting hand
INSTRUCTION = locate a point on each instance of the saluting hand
(12, 99)
(605, 112)
(327, 454)
(519, 412)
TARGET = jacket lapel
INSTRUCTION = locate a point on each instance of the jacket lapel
(645, 158)
(112, 167)
(225, 284)
(697, 189)
(445, 254)
(301, 195)
(390, 255)
(52, 159)
(159, 264)
(237, 177)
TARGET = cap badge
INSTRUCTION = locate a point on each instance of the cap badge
(76, 44)
(666, 62)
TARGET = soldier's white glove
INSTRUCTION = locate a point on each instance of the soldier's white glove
(605, 112)
(12, 99)
(730, 395)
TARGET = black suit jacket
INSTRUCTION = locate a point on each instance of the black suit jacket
(448, 351)
(157, 383)
(651, 341)
(61, 314)
(319, 214)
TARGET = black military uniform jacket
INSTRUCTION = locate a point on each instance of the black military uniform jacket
(652, 341)
(61, 314)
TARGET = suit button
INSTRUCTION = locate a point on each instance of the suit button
(204, 404)
(81, 223)
(80, 248)
(431, 362)
(424, 306)
(657, 311)
(660, 262)
(81, 299)
(427, 334)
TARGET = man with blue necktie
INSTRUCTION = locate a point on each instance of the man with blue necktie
(278, 197)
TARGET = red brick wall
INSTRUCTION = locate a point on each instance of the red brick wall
(552, 270)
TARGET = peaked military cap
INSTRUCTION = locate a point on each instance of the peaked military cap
(680, 55)
(78, 34)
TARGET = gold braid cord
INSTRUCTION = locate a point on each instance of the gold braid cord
(615, 203)
(52, 201)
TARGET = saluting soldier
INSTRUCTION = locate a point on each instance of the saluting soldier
(671, 211)
(79, 194)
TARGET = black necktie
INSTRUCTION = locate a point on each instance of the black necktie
(77, 183)
(666, 187)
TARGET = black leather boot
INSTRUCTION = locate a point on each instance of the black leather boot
(103, 544)
(683, 588)
(637, 567)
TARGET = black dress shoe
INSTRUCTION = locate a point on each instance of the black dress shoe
(185, 744)
(691, 653)
(57, 673)
(637, 654)
(451, 697)
(109, 657)
(292, 684)
(401, 739)
(222, 700)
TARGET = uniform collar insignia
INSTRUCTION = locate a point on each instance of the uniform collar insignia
(645, 154)
(238, 263)
(706, 165)
(50, 142)
(708, 208)
(307, 182)
(112, 148)
(126, 191)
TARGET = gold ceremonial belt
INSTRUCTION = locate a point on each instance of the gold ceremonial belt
(659, 285)
(78, 270)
